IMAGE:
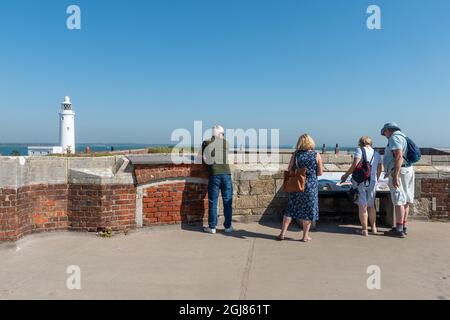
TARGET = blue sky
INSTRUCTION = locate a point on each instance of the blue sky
(137, 70)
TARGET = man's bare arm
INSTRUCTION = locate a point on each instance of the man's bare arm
(398, 155)
(379, 171)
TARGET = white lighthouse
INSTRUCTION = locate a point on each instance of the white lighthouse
(67, 127)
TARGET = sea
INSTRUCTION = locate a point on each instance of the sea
(7, 148)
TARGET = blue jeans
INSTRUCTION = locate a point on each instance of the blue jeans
(223, 183)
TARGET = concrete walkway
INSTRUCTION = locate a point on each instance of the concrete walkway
(183, 263)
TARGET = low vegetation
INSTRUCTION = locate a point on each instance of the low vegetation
(81, 155)
(170, 149)
(162, 149)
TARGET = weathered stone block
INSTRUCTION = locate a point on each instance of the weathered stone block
(245, 218)
(243, 187)
(46, 170)
(279, 193)
(443, 171)
(268, 211)
(278, 185)
(425, 169)
(443, 175)
(278, 175)
(343, 167)
(265, 176)
(331, 167)
(262, 187)
(424, 161)
(235, 188)
(286, 158)
(274, 158)
(248, 175)
(10, 172)
(242, 212)
(441, 159)
(426, 175)
(265, 201)
(418, 188)
(245, 202)
(337, 159)
(421, 208)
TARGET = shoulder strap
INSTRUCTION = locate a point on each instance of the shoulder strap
(296, 159)
(373, 156)
(364, 154)
(405, 156)
(295, 165)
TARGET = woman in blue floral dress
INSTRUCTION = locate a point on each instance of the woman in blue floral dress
(304, 205)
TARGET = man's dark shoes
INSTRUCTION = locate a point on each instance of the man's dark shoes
(394, 233)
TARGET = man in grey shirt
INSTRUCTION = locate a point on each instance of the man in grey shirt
(401, 176)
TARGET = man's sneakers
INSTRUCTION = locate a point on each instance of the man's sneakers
(210, 230)
(229, 230)
(214, 230)
(394, 233)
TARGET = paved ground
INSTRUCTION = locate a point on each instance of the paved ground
(182, 263)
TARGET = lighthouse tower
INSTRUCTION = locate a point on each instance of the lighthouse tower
(67, 127)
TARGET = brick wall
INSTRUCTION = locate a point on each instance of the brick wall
(161, 194)
(175, 202)
(438, 191)
(8, 216)
(88, 207)
(32, 209)
(97, 207)
(119, 207)
(42, 208)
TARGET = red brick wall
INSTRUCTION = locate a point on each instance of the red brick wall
(97, 207)
(439, 189)
(174, 203)
(42, 208)
(85, 207)
(89, 207)
(32, 209)
(119, 207)
(66, 207)
(8, 216)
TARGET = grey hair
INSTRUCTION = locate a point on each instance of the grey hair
(217, 130)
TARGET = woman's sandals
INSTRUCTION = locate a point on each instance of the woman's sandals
(364, 232)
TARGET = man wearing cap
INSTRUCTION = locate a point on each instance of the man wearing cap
(215, 155)
(401, 176)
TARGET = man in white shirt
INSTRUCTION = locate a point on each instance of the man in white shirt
(401, 176)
